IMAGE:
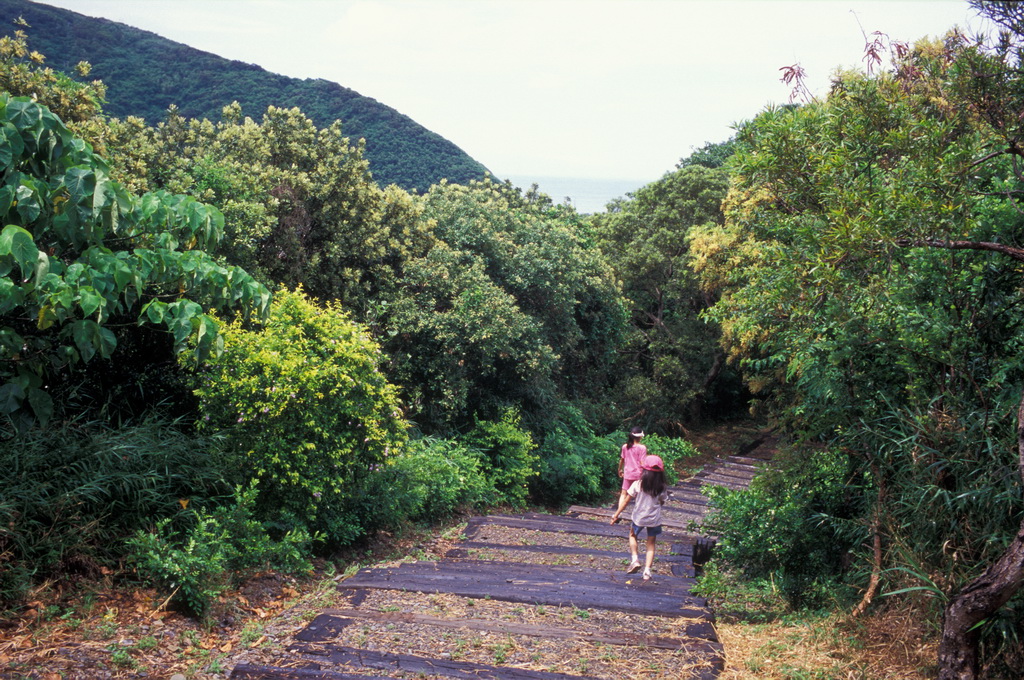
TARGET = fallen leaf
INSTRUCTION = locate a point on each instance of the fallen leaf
(226, 647)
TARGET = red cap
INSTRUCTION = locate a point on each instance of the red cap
(653, 463)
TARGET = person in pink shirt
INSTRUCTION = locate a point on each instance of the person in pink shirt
(631, 460)
(650, 493)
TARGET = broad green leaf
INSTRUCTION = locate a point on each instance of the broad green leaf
(42, 405)
(28, 202)
(11, 396)
(18, 242)
(80, 182)
(86, 335)
(24, 113)
(89, 301)
(42, 266)
(154, 311)
(11, 295)
(46, 318)
(7, 194)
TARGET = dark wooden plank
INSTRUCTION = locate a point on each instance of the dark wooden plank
(690, 490)
(664, 595)
(716, 481)
(701, 631)
(525, 572)
(564, 525)
(748, 460)
(684, 570)
(637, 596)
(679, 523)
(246, 671)
(461, 552)
(740, 468)
(732, 473)
(410, 664)
(322, 628)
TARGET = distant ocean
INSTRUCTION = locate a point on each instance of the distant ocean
(586, 195)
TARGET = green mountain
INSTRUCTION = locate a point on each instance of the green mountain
(146, 73)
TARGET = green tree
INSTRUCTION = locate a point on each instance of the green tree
(513, 307)
(868, 297)
(23, 74)
(672, 363)
(80, 258)
(306, 413)
(300, 205)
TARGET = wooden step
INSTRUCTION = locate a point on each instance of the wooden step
(245, 671)
(325, 628)
(587, 527)
(726, 471)
(727, 482)
(664, 595)
(672, 516)
(740, 468)
(315, 656)
(749, 460)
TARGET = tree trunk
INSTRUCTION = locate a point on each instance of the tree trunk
(981, 598)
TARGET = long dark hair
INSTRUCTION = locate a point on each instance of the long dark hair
(653, 482)
(634, 436)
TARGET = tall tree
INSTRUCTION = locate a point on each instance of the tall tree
(513, 307)
(869, 297)
(672, 362)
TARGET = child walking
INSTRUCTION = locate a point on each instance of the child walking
(650, 493)
(631, 461)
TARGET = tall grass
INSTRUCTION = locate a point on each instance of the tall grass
(72, 493)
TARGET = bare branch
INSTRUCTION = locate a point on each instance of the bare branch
(1015, 253)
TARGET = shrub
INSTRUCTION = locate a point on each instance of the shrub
(306, 413)
(506, 455)
(73, 493)
(789, 526)
(220, 547)
(430, 479)
(671, 450)
(575, 467)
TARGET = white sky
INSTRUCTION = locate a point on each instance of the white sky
(611, 89)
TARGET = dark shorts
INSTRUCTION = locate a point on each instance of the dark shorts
(651, 531)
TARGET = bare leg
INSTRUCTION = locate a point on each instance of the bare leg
(623, 499)
(651, 540)
(633, 547)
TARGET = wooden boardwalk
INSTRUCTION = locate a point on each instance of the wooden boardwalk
(527, 596)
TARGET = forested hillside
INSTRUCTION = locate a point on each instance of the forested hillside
(145, 74)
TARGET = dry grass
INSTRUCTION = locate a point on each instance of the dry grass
(883, 645)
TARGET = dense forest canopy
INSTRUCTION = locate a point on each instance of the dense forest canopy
(146, 74)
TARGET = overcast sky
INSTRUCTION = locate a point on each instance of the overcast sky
(611, 89)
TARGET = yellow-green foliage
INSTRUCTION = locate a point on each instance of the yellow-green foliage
(307, 412)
